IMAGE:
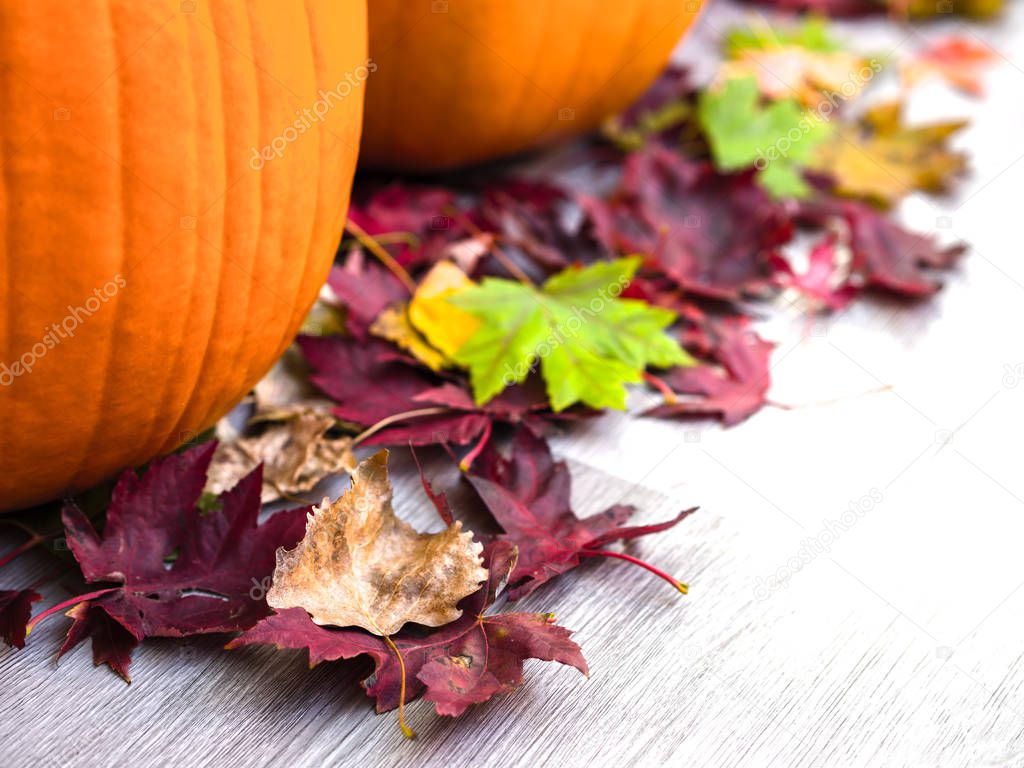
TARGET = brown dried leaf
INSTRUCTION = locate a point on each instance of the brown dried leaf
(296, 454)
(360, 566)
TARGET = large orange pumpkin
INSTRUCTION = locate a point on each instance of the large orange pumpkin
(175, 181)
(463, 81)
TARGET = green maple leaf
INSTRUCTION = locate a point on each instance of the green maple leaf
(777, 137)
(813, 35)
(589, 343)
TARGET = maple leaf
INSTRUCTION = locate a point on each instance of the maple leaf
(531, 216)
(295, 450)
(15, 611)
(959, 61)
(454, 666)
(216, 559)
(778, 137)
(663, 111)
(977, 9)
(395, 325)
(885, 255)
(825, 281)
(712, 234)
(412, 221)
(881, 160)
(358, 565)
(447, 327)
(364, 289)
(813, 34)
(374, 386)
(731, 385)
(528, 494)
(589, 343)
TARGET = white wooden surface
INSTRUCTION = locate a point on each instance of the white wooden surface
(894, 639)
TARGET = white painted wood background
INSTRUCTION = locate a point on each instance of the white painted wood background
(895, 639)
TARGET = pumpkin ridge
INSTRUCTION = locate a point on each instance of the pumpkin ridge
(86, 446)
(178, 428)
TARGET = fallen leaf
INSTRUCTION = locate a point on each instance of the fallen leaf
(447, 326)
(175, 569)
(296, 453)
(528, 494)
(588, 342)
(15, 611)
(457, 665)
(793, 72)
(778, 138)
(881, 160)
(731, 385)
(364, 289)
(960, 61)
(712, 234)
(360, 566)
(825, 283)
(394, 324)
(885, 255)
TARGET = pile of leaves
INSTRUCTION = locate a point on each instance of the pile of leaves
(479, 311)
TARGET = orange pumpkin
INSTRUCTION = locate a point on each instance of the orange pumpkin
(463, 81)
(175, 181)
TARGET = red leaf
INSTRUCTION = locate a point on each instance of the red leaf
(15, 611)
(454, 666)
(529, 496)
(420, 212)
(370, 382)
(365, 289)
(823, 283)
(732, 385)
(885, 255)
(711, 234)
(218, 561)
(438, 499)
(112, 643)
(832, 8)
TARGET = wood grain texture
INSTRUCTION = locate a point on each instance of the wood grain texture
(892, 638)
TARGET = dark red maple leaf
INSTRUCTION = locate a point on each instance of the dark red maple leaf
(453, 666)
(831, 8)
(15, 611)
(534, 216)
(365, 289)
(421, 213)
(712, 234)
(528, 494)
(886, 255)
(733, 382)
(372, 383)
(178, 570)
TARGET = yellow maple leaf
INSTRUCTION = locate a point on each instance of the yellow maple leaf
(444, 325)
(393, 325)
(879, 158)
(795, 72)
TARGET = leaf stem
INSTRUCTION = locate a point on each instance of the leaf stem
(367, 241)
(469, 458)
(630, 559)
(35, 540)
(503, 258)
(67, 603)
(671, 398)
(387, 421)
(406, 730)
